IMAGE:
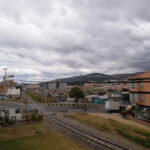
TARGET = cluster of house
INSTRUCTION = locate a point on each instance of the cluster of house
(137, 87)
(107, 86)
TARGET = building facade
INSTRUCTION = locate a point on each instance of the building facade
(13, 93)
(140, 95)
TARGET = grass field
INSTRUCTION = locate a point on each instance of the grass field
(130, 132)
(37, 136)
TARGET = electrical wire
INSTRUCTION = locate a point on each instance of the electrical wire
(50, 35)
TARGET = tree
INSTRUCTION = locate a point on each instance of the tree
(126, 97)
(76, 93)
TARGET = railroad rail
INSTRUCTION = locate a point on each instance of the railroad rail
(99, 141)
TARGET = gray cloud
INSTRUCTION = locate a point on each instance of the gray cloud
(56, 38)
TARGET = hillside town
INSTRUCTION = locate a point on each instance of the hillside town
(74, 75)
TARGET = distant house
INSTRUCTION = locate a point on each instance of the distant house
(52, 86)
(97, 99)
(5, 85)
(11, 110)
(62, 86)
(13, 92)
(31, 86)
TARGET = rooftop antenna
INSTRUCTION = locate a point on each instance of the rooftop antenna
(5, 84)
(80, 79)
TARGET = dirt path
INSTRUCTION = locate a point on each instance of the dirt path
(119, 118)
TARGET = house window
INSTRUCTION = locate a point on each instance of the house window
(141, 85)
(142, 98)
(133, 85)
(133, 98)
(18, 110)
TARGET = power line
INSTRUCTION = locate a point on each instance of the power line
(62, 42)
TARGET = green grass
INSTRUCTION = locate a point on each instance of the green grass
(133, 133)
(37, 137)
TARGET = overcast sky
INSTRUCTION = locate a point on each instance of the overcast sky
(60, 38)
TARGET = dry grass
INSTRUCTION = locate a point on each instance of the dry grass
(37, 137)
(21, 131)
(133, 133)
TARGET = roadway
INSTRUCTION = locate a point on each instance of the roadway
(55, 109)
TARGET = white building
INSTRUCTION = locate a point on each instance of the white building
(13, 92)
(11, 110)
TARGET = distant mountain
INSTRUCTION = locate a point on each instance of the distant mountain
(95, 77)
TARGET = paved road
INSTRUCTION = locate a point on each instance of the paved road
(59, 109)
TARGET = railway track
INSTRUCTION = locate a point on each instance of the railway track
(99, 141)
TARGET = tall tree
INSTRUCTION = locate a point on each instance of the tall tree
(76, 93)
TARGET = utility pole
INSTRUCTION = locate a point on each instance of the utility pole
(24, 100)
(5, 88)
(44, 93)
(80, 80)
(5, 73)
(5, 80)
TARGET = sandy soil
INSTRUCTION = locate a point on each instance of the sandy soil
(119, 118)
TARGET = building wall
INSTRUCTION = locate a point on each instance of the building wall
(146, 100)
(141, 89)
(12, 113)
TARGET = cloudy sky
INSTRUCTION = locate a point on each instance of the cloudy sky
(60, 38)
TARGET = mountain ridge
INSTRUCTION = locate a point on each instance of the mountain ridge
(95, 77)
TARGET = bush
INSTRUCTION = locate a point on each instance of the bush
(33, 117)
(7, 121)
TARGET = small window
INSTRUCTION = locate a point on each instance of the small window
(142, 98)
(18, 110)
(141, 85)
(133, 85)
(133, 98)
